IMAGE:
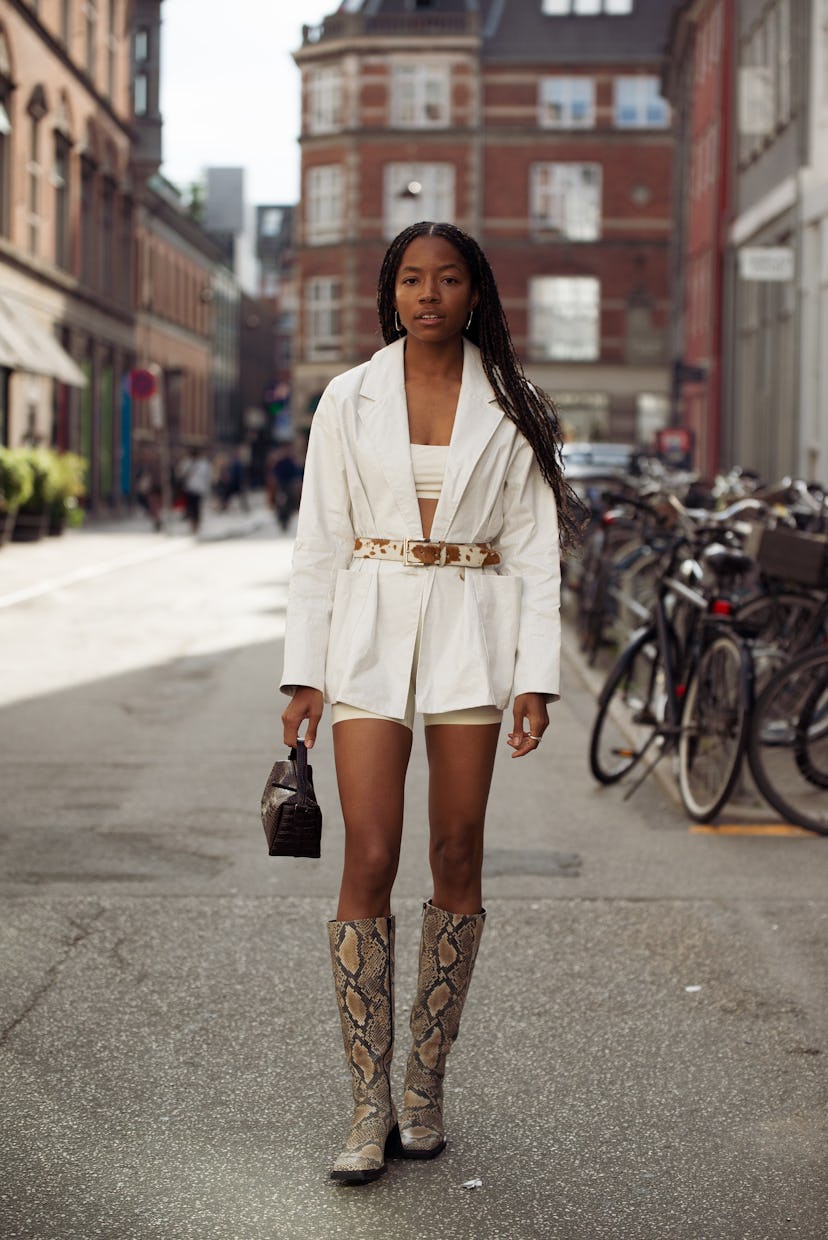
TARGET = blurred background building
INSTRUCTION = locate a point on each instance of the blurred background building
(107, 270)
(536, 125)
(748, 83)
(649, 180)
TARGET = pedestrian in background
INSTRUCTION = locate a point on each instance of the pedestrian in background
(426, 574)
(195, 474)
(284, 481)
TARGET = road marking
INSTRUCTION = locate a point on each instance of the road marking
(49, 584)
(757, 828)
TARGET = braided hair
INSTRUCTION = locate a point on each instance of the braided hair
(531, 410)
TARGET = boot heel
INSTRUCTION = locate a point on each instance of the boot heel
(393, 1144)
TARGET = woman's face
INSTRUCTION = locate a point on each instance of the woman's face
(433, 290)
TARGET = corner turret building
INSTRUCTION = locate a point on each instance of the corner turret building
(536, 125)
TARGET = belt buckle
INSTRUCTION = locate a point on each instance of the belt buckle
(408, 543)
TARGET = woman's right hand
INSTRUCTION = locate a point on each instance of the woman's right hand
(306, 704)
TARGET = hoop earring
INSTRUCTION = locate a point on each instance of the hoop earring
(397, 324)
(469, 320)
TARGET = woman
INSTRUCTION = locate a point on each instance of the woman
(426, 574)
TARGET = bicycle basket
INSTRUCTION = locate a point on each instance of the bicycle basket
(793, 555)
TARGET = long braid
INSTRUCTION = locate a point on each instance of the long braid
(531, 410)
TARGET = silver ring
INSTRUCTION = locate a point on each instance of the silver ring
(534, 738)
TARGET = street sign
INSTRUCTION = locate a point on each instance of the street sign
(143, 384)
(766, 262)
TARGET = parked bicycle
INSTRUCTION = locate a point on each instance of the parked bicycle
(788, 743)
(683, 685)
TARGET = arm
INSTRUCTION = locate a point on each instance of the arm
(528, 545)
(324, 544)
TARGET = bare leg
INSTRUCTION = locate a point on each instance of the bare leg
(371, 762)
(460, 762)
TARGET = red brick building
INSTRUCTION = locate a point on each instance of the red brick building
(538, 126)
(698, 81)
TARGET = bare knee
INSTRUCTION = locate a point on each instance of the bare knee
(368, 876)
(457, 862)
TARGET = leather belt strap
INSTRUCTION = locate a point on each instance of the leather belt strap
(423, 553)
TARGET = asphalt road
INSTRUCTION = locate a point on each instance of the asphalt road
(643, 1053)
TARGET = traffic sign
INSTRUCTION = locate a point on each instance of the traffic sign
(143, 384)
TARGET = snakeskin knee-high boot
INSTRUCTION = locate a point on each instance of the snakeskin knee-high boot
(448, 950)
(362, 954)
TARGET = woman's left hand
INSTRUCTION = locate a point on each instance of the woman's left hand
(529, 710)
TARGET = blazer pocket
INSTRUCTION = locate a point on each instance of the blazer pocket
(351, 594)
(498, 604)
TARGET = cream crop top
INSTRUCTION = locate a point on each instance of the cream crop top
(428, 461)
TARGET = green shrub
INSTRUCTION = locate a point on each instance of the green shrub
(69, 475)
(44, 479)
(16, 479)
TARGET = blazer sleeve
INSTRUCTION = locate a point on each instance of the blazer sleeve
(324, 544)
(528, 546)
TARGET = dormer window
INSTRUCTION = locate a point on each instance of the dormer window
(587, 8)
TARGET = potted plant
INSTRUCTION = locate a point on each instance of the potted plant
(16, 484)
(69, 476)
(33, 515)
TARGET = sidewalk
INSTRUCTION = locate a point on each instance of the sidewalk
(30, 569)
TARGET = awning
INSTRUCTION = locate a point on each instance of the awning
(26, 345)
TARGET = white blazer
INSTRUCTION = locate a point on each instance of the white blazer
(487, 633)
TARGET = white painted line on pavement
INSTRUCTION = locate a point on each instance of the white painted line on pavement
(49, 584)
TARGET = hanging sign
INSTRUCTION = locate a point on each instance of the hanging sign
(766, 262)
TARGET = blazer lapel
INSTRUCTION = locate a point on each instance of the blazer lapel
(478, 416)
(384, 413)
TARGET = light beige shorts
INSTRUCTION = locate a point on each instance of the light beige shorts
(341, 711)
(473, 714)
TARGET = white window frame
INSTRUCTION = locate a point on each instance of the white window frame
(645, 91)
(324, 204)
(569, 94)
(323, 317)
(413, 192)
(325, 99)
(587, 8)
(565, 318)
(420, 95)
(566, 198)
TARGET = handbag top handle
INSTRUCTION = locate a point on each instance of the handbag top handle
(299, 755)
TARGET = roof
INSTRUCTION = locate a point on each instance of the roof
(519, 30)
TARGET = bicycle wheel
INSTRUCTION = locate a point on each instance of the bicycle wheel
(630, 708)
(777, 624)
(788, 744)
(714, 726)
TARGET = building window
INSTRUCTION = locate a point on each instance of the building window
(140, 94)
(783, 94)
(88, 224)
(323, 317)
(566, 198)
(566, 103)
(324, 220)
(65, 20)
(111, 49)
(5, 136)
(63, 249)
(564, 318)
(91, 15)
(420, 96)
(34, 171)
(415, 192)
(106, 262)
(141, 45)
(638, 104)
(270, 224)
(325, 100)
(587, 8)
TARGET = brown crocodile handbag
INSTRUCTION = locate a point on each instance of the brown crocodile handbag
(291, 816)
